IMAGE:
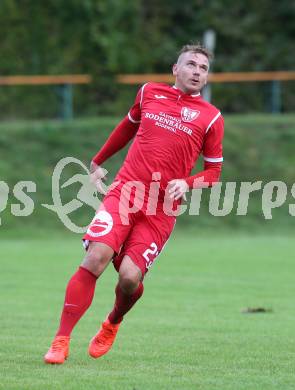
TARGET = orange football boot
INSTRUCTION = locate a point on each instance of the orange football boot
(58, 351)
(102, 342)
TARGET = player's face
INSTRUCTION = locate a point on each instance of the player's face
(191, 72)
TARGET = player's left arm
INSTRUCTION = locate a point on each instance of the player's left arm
(212, 153)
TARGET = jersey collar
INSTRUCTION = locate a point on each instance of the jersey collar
(193, 95)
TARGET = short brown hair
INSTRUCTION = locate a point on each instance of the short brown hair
(196, 48)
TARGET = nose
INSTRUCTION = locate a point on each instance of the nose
(196, 70)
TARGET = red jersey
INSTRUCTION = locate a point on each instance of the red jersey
(175, 128)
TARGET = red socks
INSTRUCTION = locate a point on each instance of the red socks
(79, 295)
(124, 303)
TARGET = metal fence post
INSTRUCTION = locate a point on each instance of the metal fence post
(67, 101)
(209, 39)
(276, 100)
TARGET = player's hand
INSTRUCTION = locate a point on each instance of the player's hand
(98, 177)
(177, 189)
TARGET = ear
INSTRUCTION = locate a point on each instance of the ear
(174, 69)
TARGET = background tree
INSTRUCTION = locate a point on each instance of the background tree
(107, 37)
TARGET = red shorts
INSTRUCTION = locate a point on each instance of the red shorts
(142, 238)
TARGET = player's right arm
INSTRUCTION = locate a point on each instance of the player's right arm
(119, 138)
(122, 133)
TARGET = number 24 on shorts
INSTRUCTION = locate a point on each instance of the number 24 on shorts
(150, 254)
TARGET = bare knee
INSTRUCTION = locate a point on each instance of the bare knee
(129, 276)
(128, 284)
(97, 258)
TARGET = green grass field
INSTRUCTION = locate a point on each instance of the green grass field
(187, 332)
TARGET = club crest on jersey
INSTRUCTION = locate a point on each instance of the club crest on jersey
(188, 115)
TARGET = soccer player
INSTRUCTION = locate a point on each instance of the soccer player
(171, 127)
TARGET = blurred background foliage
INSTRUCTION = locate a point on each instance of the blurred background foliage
(107, 37)
(255, 149)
